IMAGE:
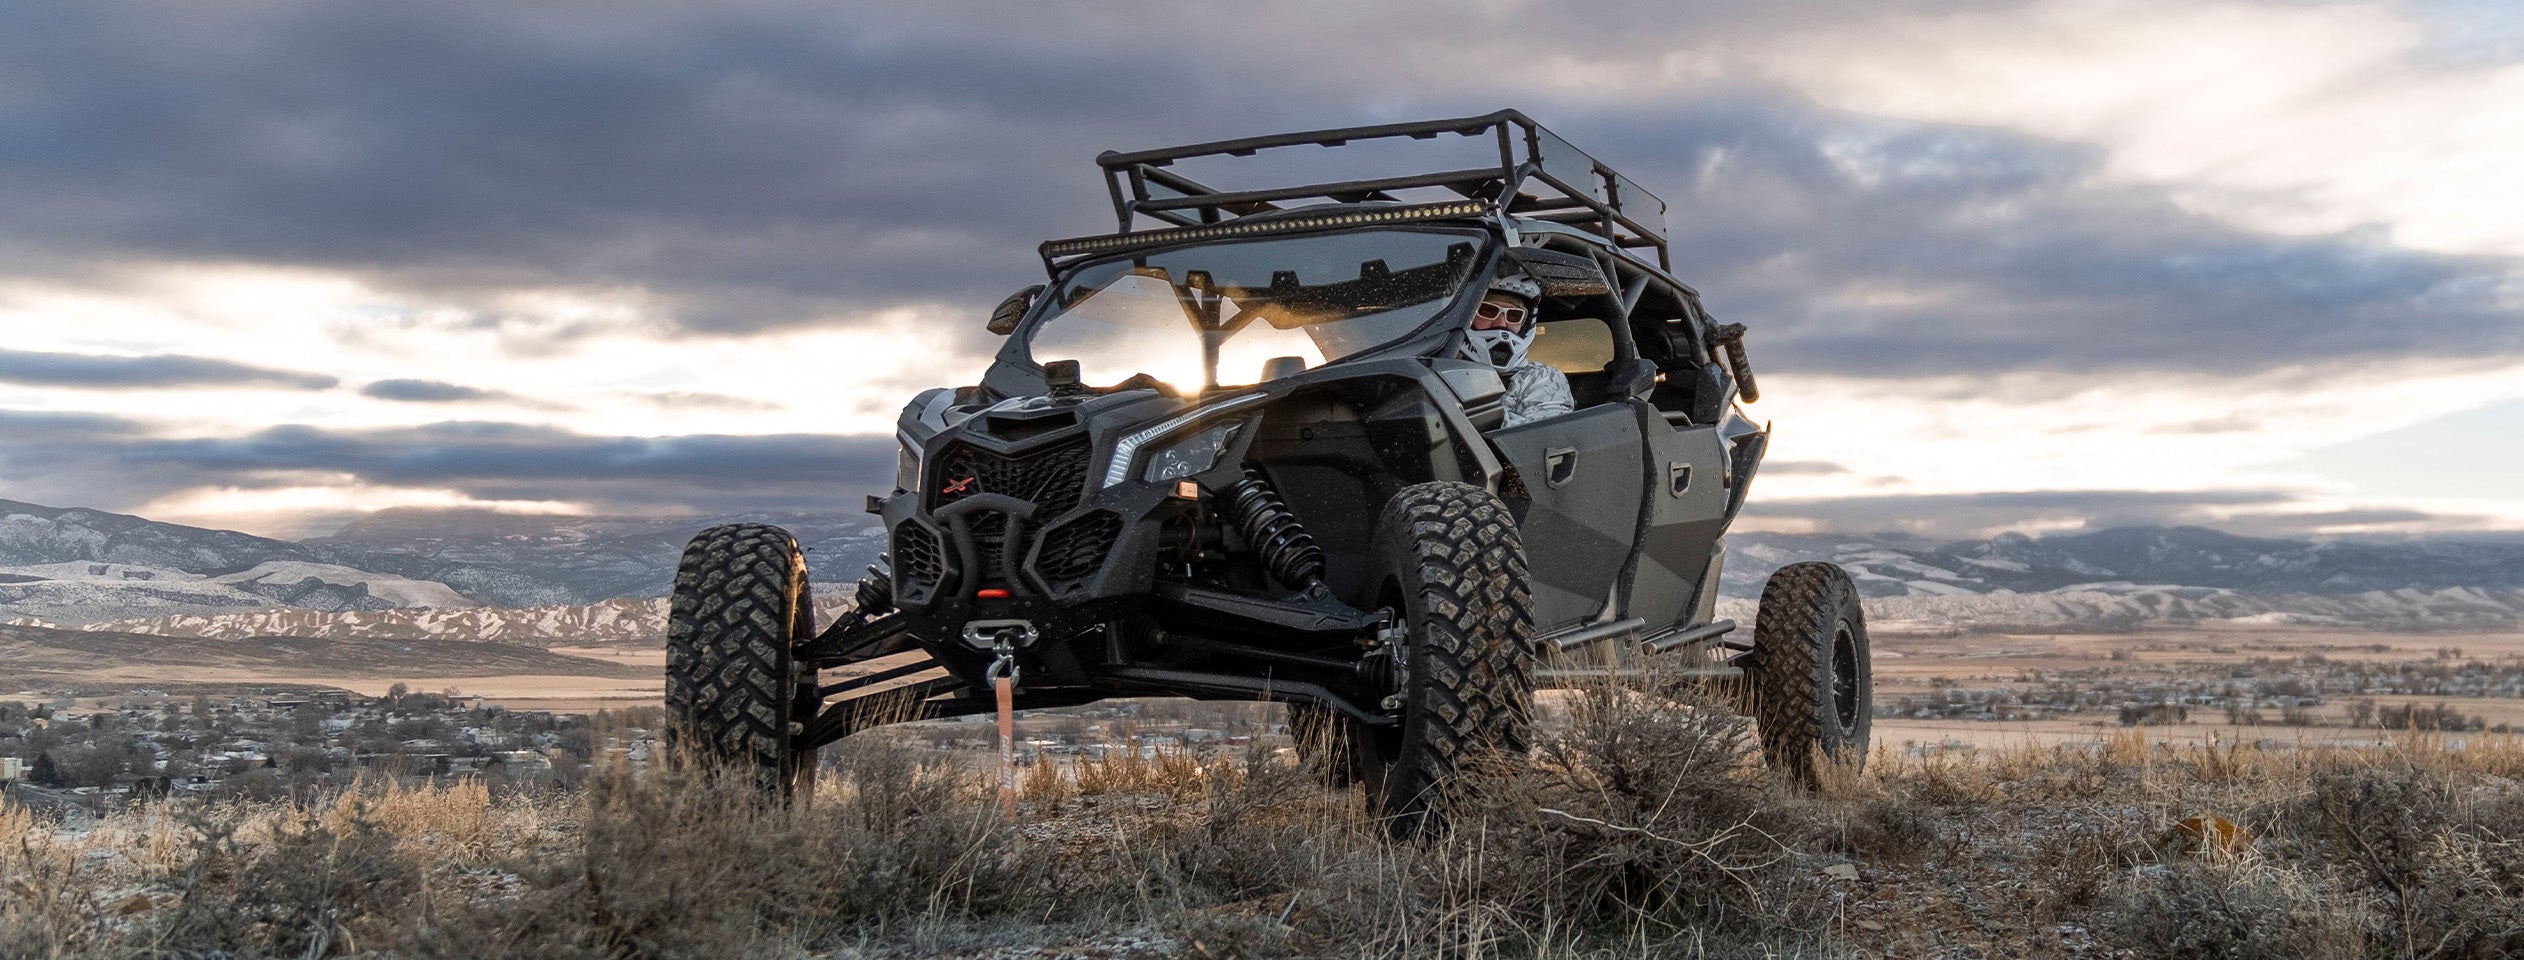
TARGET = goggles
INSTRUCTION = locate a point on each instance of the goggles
(1491, 310)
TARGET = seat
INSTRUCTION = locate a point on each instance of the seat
(1582, 348)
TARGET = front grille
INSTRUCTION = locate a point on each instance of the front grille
(1052, 479)
(990, 543)
(918, 562)
(1075, 550)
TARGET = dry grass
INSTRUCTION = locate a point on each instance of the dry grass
(1639, 826)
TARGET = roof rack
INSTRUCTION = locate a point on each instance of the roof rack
(1538, 176)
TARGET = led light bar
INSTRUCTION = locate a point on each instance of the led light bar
(1085, 246)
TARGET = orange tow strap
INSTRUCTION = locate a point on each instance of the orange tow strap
(1007, 746)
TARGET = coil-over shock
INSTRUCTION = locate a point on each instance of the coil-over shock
(1287, 551)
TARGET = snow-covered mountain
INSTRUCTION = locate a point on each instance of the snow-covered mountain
(84, 590)
(587, 558)
(641, 621)
(76, 566)
(557, 579)
(623, 620)
(2125, 607)
(2179, 556)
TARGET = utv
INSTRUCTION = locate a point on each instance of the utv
(1237, 450)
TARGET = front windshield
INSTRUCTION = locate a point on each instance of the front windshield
(1213, 315)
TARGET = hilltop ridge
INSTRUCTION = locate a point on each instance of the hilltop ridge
(431, 572)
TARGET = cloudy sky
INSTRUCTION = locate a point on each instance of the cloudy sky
(268, 264)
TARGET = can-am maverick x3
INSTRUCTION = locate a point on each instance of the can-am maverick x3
(1240, 453)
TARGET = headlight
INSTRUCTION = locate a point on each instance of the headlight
(1191, 454)
(906, 467)
(1126, 450)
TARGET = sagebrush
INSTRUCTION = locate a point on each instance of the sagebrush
(1640, 825)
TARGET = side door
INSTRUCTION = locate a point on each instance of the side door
(1582, 474)
(1687, 467)
(1691, 470)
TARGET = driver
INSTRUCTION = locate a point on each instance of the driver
(1501, 330)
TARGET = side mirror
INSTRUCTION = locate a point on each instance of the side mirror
(1003, 319)
(1062, 377)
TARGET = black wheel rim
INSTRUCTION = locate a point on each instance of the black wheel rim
(1845, 704)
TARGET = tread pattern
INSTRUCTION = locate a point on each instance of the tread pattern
(1459, 560)
(738, 606)
(1790, 678)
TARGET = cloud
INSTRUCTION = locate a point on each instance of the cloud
(2342, 119)
(688, 399)
(787, 216)
(1801, 468)
(113, 468)
(1894, 249)
(406, 390)
(1983, 514)
(23, 426)
(509, 462)
(775, 164)
(2475, 453)
(426, 391)
(757, 165)
(114, 373)
(2264, 513)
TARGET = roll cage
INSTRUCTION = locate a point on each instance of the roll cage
(1573, 222)
(1538, 177)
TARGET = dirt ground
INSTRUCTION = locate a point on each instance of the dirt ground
(1901, 657)
(643, 686)
(45, 664)
(640, 683)
(584, 679)
(1907, 663)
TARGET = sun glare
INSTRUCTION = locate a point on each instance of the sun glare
(283, 511)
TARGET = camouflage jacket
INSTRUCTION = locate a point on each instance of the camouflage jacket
(1536, 391)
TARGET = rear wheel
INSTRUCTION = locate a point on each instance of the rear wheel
(1453, 568)
(733, 693)
(1809, 680)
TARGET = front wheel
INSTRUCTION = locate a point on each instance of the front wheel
(732, 690)
(1810, 680)
(1452, 568)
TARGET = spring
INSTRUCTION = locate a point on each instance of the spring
(876, 590)
(1287, 551)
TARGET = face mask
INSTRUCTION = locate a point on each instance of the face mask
(1503, 349)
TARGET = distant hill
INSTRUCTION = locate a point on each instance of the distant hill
(632, 621)
(42, 657)
(2141, 556)
(554, 579)
(76, 566)
(589, 558)
(2118, 608)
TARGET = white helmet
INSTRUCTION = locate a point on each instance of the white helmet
(1504, 349)
(1518, 284)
